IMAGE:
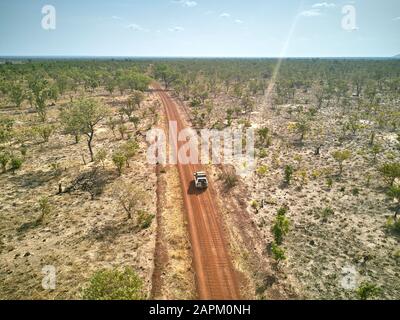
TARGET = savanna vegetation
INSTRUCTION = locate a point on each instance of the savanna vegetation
(76, 188)
(328, 150)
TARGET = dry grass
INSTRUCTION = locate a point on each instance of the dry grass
(80, 235)
(320, 246)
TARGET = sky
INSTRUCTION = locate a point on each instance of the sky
(201, 28)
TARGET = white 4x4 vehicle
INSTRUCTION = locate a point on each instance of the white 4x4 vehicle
(200, 180)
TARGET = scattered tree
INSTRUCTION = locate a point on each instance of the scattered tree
(166, 74)
(281, 226)
(45, 131)
(264, 136)
(17, 93)
(302, 127)
(6, 129)
(277, 252)
(391, 172)
(131, 198)
(122, 129)
(119, 160)
(129, 149)
(375, 150)
(101, 156)
(44, 208)
(41, 93)
(289, 171)
(341, 156)
(83, 117)
(230, 180)
(394, 193)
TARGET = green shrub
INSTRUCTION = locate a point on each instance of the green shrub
(44, 208)
(16, 164)
(391, 172)
(303, 177)
(255, 205)
(393, 225)
(122, 129)
(262, 153)
(398, 139)
(341, 156)
(56, 169)
(144, 219)
(6, 129)
(282, 211)
(288, 174)
(280, 228)
(131, 198)
(119, 160)
(129, 150)
(24, 150)
(230, 180)
(44, 131)
(329, 183)
(367, 291)
(264, 137)
(115, 285)
(262, 170)
(375, 150)
(394, 192)
(327, 212)
(5, 158)
(315, 174)
(396, 256)
(278, 252)
(355, 192)
(101, 156)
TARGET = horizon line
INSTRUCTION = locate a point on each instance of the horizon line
(190, 57)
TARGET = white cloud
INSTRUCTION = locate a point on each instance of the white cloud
(311, 13)
(116, 18)
(190, 4)
(136, 27)
(186, 3)
(225, 15)
(238, 21)
(396, 19)
(176, 29)
(317, 9)
(324, 5)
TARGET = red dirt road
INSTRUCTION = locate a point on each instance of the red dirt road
(216, 279)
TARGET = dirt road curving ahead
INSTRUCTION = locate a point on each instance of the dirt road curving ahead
(216, 279)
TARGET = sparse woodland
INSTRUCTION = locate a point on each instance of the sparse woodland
(328, 153)
(77, 193)
(76, 190)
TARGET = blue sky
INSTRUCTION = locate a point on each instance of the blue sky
(251, 28)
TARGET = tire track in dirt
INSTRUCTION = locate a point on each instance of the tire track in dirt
(216, 279)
